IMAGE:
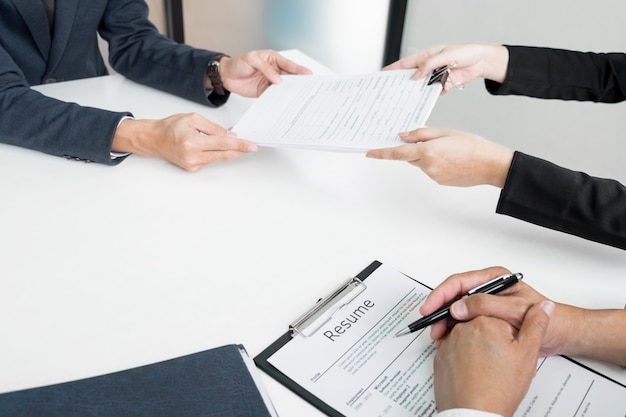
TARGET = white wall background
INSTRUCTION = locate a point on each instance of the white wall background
(583, 136)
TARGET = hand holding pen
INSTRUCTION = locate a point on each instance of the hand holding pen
(492, 287)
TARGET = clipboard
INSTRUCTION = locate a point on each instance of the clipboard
(333, 302)
(600, 394)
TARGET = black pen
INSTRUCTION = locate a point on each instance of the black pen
(492, 287)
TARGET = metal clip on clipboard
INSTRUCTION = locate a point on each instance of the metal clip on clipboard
(325, 308)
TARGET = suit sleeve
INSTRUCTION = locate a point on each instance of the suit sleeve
(562, 74)
(540, 192)
(140, 53)
(31, 120)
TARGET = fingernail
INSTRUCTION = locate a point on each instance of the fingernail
(253, 147)
(403, 134)
(231, 133)
(548, 306)
(459, 310)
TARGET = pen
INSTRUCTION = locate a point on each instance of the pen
(492, 287)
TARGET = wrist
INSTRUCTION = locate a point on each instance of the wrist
(592, 334)
(576, 329)
(501, 166)
(135, 136)
(215, 74)
(496, 63)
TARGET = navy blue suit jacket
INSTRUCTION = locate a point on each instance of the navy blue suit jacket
(29, 55)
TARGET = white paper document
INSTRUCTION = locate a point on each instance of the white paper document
(355, 365)
(355, 113)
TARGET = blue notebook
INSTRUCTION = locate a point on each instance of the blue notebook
(218, 382)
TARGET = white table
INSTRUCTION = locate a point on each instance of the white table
(106, 268)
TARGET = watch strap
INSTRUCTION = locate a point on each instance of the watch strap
(213, 72)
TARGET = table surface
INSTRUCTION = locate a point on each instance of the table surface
(106, 268)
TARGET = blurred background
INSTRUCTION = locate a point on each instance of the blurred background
(345, 35)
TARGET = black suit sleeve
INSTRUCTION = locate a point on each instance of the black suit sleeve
(543, 193)
(562, 74)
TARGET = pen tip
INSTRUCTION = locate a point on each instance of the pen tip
(402, 332)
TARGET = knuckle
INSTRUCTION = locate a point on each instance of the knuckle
(189, 161)
(195, 117)
(187, 147)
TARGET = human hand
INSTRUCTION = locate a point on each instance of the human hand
(487, 364)
(510, 305)
(187, 140)
(451, 157)
(469, 61)
(250, 74)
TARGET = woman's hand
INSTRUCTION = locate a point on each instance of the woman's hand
(467, 62)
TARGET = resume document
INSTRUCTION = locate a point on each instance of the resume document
(354, 364)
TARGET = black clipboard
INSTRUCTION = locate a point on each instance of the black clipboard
(261, 360)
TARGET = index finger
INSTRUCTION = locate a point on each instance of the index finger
(206, 143)
(458, 285)
(409, 62)
(407, 152)
(415, 60)
(205, 126)
(287, 66)
(425, 62)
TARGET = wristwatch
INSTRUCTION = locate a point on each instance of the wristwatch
(213, 72)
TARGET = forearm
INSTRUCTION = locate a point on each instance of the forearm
(31, 120)
(596, 334)
(562, 74)
(540, 192)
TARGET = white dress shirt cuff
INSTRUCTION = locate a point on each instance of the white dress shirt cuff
(466, 412)
(115, 155)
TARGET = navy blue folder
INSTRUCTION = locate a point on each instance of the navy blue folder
(215, 382)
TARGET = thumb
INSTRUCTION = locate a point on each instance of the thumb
(535, 324)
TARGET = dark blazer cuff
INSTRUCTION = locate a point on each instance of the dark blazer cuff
(217, 100)
(535, 190)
